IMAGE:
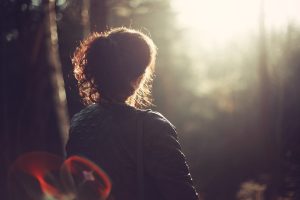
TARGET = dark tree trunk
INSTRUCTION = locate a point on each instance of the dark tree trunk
(33, 107)
(98, 15)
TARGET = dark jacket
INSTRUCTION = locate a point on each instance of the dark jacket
(107, 135)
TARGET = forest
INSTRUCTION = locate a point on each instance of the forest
(227, 76)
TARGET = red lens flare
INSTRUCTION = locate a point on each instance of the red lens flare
(35, 174)
(87, 179)
(44, 176)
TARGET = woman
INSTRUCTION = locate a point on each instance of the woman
(114, 72)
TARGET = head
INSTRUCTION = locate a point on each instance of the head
(116, 65)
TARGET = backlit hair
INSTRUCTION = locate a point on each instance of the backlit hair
(107, 64)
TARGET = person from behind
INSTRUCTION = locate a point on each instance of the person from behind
(138, 148)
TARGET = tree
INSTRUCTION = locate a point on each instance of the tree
(33, 106)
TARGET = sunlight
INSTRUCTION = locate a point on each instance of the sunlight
(217, 34)
(280, 12)
(220, 21)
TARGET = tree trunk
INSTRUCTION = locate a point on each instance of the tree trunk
(98, 15)
(33, 107)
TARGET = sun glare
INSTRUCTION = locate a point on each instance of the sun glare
(219, 33)
(223, 20)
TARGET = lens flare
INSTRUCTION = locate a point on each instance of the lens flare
(86, 178)
(44, 176)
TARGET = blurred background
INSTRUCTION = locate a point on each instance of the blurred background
(226, 77)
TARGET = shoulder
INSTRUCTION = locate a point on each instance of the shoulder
(152, 117)
(89, 118)
(156, 124)
(85, 113)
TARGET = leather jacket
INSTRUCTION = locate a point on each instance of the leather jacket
(107, 134)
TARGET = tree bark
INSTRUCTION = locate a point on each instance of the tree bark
(98, 15)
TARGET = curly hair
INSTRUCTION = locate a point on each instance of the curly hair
(116, 65)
